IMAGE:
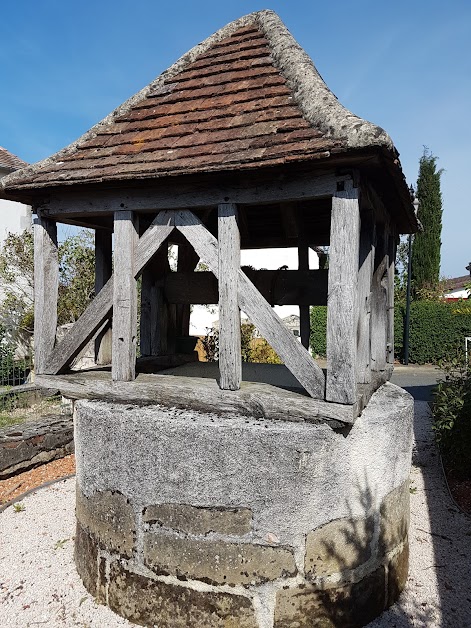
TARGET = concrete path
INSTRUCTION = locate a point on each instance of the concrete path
(418, 380)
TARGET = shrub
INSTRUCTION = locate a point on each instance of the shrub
(451, 411)
(437, 329)
(317, 339)
(252, 349)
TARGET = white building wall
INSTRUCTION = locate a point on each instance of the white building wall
(14, 218)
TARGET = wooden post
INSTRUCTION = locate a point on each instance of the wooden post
(148, 299)
(303, 264)
(103, 271)
(365, 275)
(124, 298)
(379, 304)
(391, 265)
(230, 361)
(187, 262)
(154, 307)
(342, 302)
(46, 285)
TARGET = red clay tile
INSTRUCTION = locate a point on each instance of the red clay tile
(229, 109)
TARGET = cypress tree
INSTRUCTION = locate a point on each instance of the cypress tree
(427, 243)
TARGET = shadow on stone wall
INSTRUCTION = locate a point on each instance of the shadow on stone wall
(371, 553)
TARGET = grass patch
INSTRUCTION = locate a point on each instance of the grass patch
(14, 411)
(7, 419)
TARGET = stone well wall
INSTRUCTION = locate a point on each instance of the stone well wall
(189, 520)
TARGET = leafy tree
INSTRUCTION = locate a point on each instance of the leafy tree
(426, 245)
(76, 276)
(76, 281)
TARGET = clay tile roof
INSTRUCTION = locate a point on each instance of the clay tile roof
(10, 162)
(248, 96)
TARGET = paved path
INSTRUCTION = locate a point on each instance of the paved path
(418, 380)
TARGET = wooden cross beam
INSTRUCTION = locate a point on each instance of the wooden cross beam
(293, 354)
(100, 308)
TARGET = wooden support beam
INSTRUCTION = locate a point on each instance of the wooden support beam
(100, 308)
(379, 304)
(365, 276)
(200, 193)
(103, 272)
(46, 285)
(148, 299)
(278, 287)
(123, 365)
(230, 361)
(342, 302)
(204, 395)
(391, 266)
(303, 265)
(187, 262)
(293, 354)
(289, 220)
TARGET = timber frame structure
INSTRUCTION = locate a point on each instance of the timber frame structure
(273, 161)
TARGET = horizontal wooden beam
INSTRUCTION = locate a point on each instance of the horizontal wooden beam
(278, 287)
(293, 187)
(202, 394)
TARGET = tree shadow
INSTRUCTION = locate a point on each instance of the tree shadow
(368, 593)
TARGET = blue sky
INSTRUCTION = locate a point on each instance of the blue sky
(403, 65)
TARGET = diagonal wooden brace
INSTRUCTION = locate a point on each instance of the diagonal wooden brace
(100, 308)
(293, 354)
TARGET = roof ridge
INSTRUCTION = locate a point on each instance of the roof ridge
(309, 89)
(317, 104)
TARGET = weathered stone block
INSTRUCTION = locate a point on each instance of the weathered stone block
(350, 606)
(217, 562)
(85, 555)
(337, 546)
(200, 521)
(110, 518)
(32, 443)
(395, 517)
(398, 569)
(151, 603)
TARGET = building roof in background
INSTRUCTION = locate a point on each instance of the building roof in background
(457, 283)
(246, 97)
(10, 162)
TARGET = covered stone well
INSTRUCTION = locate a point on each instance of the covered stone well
(269, 495)
(188, 518)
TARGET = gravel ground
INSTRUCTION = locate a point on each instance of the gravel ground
(39, 584)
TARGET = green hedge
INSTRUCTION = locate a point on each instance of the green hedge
(318, 330)
(436, 329)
